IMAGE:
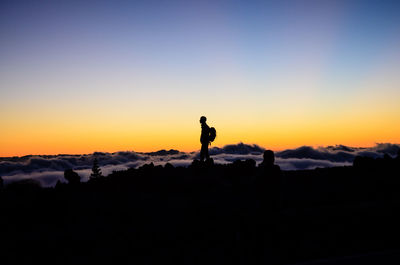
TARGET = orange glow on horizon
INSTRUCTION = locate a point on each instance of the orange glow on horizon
(63, 139)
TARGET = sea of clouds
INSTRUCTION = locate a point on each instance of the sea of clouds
(48, 169)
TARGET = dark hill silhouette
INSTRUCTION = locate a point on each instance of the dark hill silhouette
(239, 148)
(236, 213)
(163, 152)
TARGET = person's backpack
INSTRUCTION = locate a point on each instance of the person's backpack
(212, 135)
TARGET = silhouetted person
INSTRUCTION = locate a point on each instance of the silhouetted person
(268, 161)
(269, 192)
(204, 139)
(268, 180)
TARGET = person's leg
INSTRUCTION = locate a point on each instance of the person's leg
(206, 152)
(202, 152)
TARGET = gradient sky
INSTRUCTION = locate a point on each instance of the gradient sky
(84, 76)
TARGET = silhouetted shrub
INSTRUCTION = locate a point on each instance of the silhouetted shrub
(147, 166)
(250, 163)
(96, 171)
(58, 184)
(72, 177)
(363, 162)
(209, 162)
(24, 185)
(195, 164)
(168, 166)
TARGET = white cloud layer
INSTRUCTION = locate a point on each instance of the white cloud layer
(50, 168)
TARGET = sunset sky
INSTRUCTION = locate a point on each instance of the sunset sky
(84, 76)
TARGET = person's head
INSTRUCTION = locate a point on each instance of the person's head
(203, 119)
(269, 158)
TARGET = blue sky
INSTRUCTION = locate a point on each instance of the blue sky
(272, 63)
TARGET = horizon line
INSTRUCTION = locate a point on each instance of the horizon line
(198, 150)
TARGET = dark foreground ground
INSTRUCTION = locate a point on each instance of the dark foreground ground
(221, 214)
